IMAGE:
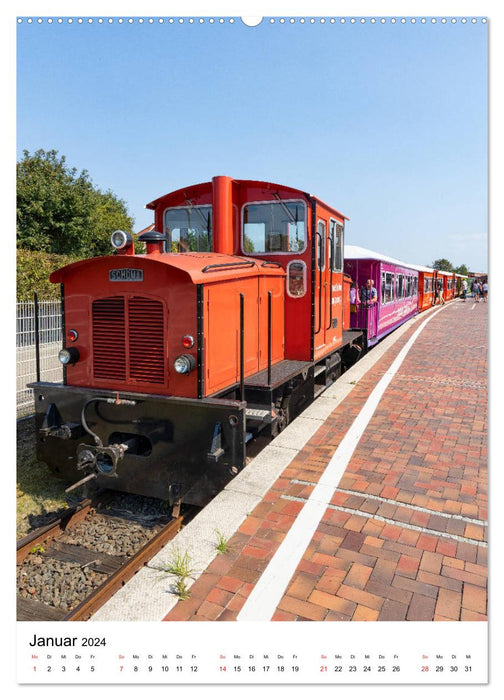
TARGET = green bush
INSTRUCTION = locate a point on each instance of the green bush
(33, 270)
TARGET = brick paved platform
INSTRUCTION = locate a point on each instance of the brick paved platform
(404, 534)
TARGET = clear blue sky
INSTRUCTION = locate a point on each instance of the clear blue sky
(388, 123)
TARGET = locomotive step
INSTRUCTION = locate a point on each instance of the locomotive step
(280, 373)
(258, 414)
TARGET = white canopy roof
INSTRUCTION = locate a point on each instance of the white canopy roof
(355, 252)
(422, 268)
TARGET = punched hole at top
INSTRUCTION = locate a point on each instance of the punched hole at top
(251, 21)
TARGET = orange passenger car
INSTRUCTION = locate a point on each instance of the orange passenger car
(427, 280)
(451, 285)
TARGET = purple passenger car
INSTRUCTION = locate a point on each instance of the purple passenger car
(396, 286)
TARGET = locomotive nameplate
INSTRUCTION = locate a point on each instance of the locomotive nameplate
(126, 274)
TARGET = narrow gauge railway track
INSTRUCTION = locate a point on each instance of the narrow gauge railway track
(70, 567)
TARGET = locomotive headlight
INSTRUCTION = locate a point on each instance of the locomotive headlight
(184, 364)
(68, 356)
(121, 239)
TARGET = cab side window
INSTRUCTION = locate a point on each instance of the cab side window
(296, 278)
(336, 238)
(321, 240)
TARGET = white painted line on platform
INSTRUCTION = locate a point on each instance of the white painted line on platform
(268, 591)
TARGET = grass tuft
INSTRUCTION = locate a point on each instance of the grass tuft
(222, 545)
(180, 566)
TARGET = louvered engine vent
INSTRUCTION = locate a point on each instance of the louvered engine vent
(146, 334)
(128, 340)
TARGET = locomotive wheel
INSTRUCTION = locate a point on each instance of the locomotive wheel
(283, 418)
(282, 421)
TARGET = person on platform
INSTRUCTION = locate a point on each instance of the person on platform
(485, 291)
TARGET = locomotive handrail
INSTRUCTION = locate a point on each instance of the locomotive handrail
(242, 347)
(269, 338)
(318, 263)
(270, 263)
(238, 263)
(330, 238)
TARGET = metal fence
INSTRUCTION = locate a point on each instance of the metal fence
(49, 315)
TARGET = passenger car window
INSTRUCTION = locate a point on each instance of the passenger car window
(400, 286)
(387, 290)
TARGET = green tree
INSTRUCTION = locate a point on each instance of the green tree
(462, 270)
(108, 214)
(60, 211)
(442, 264)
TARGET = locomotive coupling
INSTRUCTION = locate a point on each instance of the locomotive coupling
(101, 460)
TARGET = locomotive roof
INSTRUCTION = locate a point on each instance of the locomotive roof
(200, 187)
(205, 267)
(201, 267)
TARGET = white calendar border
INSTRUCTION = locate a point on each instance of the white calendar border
(271, 9)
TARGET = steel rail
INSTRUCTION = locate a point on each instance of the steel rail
(108, 588)
(53, 529)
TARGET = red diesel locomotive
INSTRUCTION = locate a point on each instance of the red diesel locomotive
(227, 328)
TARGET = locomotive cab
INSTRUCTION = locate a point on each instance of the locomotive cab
(269, 222)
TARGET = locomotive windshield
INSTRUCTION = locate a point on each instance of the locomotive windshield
(188, 229)
(274, 227)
